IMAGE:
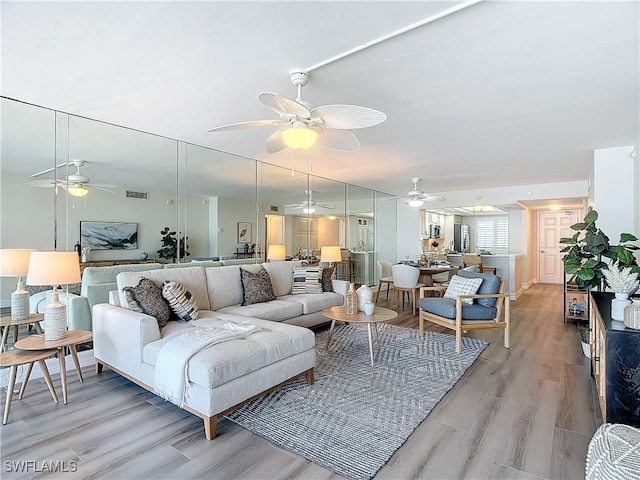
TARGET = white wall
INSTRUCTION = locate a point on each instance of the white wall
(615, 196)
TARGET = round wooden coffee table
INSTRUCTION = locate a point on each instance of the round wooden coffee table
(71, 339)
(337, 314)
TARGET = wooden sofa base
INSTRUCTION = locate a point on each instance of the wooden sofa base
(210, 423)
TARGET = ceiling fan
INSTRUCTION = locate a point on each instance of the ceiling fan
(416, 198)
(310, 205)
(303, 123)
(76, 183)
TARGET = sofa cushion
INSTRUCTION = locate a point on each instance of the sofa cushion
(490, 285)
(226, 361)
(281, 274)
(462, 286)
(192, 278)
(327, 275)
(313, 302)
(307, 280)
(275, 310)
(180, 300)
(146, 297)
(256, 287)
(446, 307)
(223, 286)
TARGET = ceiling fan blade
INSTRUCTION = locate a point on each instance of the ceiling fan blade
(347, 116)
(324, 205)
(100, 185)
(242, 125)
(49, 182)
(51, 169)
(433, 197)
(284, 105)
(275, 143)
(341, 140)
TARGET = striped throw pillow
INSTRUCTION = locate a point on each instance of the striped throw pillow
(307, 280)
(180, 300)
(462, 286)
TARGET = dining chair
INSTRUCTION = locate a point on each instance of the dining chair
(385, 275)
(443, 278)
(405, 279)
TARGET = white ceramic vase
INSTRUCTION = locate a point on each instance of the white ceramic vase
(618, 304)
(365, 295)
(369, 308)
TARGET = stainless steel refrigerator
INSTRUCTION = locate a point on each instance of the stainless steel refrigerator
(461, 238)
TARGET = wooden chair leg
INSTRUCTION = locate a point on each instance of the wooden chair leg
(378, 292)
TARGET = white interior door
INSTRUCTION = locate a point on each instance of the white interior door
(552, 226)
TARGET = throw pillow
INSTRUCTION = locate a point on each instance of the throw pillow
(180, 300)
(462, 286)
(307, 280)
(146, 297)
(327, 275)
(256, 287)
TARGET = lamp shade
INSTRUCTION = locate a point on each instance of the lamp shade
(276, 252)
(330, 254)
(53, 268)
(14, 262)
(299, 137)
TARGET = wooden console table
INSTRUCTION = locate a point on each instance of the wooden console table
(615, 363)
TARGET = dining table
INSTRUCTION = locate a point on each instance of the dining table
(427, 272)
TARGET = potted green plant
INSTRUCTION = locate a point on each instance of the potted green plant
(172, 245)
(586, 252)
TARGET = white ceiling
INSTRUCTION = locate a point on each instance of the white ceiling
(499, 93)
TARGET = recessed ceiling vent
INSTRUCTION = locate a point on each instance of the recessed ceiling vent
(139, 195)
(273, 208)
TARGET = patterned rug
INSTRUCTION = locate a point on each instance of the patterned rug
(355, 416)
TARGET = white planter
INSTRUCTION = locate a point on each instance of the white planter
(618, 304)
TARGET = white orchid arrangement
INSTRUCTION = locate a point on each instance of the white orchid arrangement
(86, 250)
(620, 280)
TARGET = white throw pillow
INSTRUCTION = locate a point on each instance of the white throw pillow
(462, 286)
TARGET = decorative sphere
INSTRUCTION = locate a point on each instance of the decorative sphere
(144, 256)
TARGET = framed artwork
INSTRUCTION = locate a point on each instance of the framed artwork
(109, 235)
(244, 232)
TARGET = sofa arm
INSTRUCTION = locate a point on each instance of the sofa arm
(341, 287)
(78, 313)
(120, 335)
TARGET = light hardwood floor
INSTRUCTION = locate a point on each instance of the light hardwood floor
(526, 413)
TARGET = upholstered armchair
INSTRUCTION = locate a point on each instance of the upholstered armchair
(487, 307)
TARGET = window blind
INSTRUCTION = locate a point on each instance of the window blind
(492, 234)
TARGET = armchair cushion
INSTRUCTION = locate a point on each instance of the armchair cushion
(446, 307)
(490, 286)
(462, 286)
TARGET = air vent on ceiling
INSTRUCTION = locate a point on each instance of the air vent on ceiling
(273, 208)
(140, 195)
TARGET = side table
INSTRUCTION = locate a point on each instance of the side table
(13, 359)
(7, 323)
(71, 339)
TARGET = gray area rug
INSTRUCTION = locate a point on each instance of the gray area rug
(356, 416)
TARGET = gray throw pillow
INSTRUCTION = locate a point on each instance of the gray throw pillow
(327, 274)
(146, 297)
(256, 287)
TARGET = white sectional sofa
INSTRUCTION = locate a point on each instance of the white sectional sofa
(225, 375)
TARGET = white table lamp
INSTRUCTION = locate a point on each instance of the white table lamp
(54, 268)
(15, 263)
(276, 252)
(331, 254)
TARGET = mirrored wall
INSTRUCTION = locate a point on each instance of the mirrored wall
(222, 205)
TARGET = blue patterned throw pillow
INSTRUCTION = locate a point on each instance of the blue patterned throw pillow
(307, 280)
(180, 300)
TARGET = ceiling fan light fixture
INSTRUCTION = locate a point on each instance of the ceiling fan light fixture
(309, 210)
(299, 138)
(77, 191)
(415, 202)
